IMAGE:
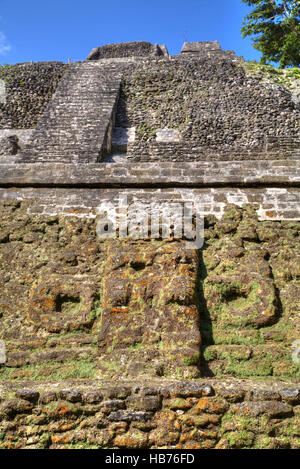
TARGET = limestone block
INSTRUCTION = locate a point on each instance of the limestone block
(200, 47)
(167, 135)
(164, 50)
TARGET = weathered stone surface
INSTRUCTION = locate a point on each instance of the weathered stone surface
(210, 126)
(130, 416)
(207, 49)
(79, 285)
(12, 407)
(112, 405)
(215, 74)
(146, 403)
(92, 397)
(211, 405)
(9, 145)
(191, 390)
(200, 174)
(232, 395)
(208, 422)
(61, 135)
(28, 90)
(273, 409)
(167, 135)
(147, 183)
(143, 331)
(48, 396)
(13, 140)
(291, 395)
(264, 395)
(70, 395)
(127, 49)
(27, 395)
(119, 392)
(97, 331)
(52, 301)
(133, 439)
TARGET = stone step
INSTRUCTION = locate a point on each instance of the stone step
(77, 123)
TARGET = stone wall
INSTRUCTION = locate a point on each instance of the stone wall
(273, 203)
(68, 296)
(171, 415)
(217, 109)
(77, 124)
(128, 49)
(28, 90)
(79, 189)
(77, 312)
(140, 151)
(12, 141)
(149, 343)
(208, 49)
(157, 175)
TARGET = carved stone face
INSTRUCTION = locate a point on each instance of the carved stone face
(150, 323)
(63, 303)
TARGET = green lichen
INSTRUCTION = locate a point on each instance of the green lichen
(288, 78)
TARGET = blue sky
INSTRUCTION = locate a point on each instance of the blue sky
(60, 29)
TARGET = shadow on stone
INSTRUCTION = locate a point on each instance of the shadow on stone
(204, 316)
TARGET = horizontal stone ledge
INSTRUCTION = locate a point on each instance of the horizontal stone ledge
(197, 174)
(104, 391)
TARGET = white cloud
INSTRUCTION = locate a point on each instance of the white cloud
(4, 46)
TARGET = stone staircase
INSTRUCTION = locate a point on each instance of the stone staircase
(77, 124)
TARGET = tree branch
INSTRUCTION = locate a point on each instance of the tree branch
(286, 9)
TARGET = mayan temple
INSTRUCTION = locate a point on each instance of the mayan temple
(177, 339)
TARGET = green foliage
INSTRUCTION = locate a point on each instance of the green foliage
(284, 77)
(275, 27)
(192, 360)
(69, 369)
